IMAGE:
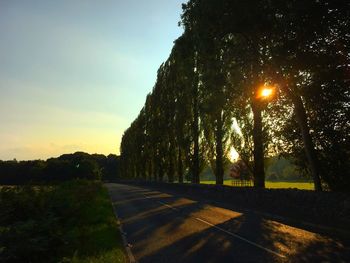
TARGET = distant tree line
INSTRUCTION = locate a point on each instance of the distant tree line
(207, 98)
(66, 167)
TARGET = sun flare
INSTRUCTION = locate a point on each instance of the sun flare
(266, 92)
(233, 155)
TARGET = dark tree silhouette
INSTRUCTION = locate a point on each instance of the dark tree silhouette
(211, 81)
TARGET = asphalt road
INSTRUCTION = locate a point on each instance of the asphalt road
(163, 227)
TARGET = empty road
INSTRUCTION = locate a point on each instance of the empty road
(163, 227)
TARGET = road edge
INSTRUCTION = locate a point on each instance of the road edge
(127, 248)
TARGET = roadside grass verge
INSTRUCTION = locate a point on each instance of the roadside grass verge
(68, 222)
(275, 185)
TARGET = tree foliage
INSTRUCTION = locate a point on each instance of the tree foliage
(65, 167)
(206, 97)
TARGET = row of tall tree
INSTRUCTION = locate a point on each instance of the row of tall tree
(207, 96)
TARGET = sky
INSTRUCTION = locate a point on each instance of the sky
(74, 74)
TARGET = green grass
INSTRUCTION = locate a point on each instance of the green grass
(69, 222)
(298, 185)
(269, 184)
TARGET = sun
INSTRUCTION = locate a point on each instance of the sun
(266, 92)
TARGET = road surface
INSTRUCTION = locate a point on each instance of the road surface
(163, 227)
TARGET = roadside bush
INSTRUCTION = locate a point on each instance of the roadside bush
(58, 223)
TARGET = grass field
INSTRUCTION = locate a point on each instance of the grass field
(268, 184)
(69, 222)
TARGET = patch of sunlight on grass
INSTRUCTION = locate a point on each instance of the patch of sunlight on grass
(274, 185)
(298, 185)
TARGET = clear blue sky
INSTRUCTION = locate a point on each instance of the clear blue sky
(74, 74)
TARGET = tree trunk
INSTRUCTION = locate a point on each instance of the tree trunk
(180, 167)
(219, 169)
(136, 172)
(171, 169)
(308, 143)
(156, 168)
(259, 172)
(143, 170)
(161, 172)
(195, 158)
(149, 170)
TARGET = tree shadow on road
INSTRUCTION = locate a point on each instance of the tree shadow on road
(174, 232)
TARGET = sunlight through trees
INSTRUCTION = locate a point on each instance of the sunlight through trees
(212, 80)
